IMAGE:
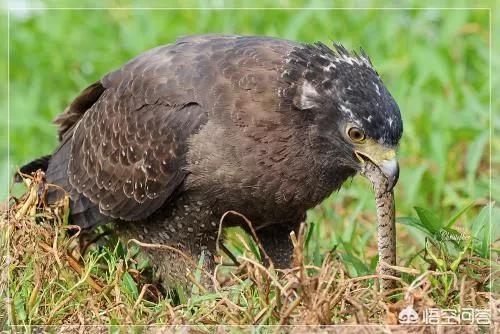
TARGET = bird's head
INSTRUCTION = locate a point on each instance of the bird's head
(351, 115)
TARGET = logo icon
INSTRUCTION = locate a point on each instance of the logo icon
(408, 316)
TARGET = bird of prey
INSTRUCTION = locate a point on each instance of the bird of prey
(166, 144)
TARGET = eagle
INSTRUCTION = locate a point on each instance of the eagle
(165, 145)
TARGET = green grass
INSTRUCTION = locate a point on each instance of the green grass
(52, 284)
(434, 62)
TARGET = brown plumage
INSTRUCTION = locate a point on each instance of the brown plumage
(181, 134)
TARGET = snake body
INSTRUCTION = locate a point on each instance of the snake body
(384, 199)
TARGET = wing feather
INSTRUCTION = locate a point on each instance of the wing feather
(128, 175)
(128, 149)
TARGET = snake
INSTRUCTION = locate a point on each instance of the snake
(386, 230)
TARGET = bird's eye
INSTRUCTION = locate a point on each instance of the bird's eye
(356, 134)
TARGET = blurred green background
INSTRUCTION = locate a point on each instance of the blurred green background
(435, 63)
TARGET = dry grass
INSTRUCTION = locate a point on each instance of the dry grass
(49, 282)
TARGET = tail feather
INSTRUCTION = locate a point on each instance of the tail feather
(40, 163)
(83, 212)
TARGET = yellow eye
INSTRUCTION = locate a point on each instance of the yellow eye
(356, 134)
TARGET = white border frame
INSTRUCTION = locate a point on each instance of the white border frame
(340, 326)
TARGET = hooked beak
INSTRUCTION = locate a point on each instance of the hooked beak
(384, 158)
(390, 168)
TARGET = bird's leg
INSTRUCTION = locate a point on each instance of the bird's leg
(174, 239)
(173, 256)
(277, 243)
(274, 238)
